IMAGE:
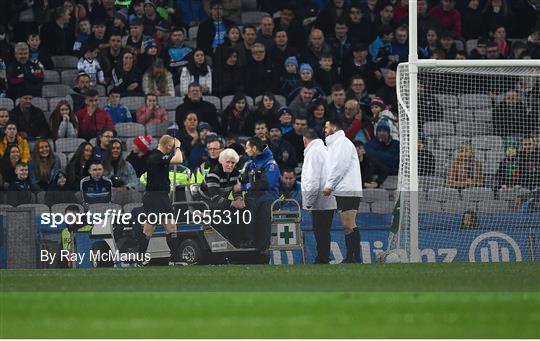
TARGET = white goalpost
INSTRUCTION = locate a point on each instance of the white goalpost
(466, 204)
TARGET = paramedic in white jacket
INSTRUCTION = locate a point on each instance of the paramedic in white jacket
(344, 182)
(314, 172)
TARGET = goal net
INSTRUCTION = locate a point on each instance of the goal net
(478, 163)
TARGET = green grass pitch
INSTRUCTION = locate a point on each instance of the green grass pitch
(336, 301)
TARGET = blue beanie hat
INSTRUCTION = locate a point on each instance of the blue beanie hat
(305, 67)
(291, 60)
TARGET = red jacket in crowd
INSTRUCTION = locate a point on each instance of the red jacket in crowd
(90, 125)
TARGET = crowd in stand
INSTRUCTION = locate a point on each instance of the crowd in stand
(328, 59)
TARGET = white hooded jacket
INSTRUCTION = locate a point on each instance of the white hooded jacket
(314, 173)
(344, 176)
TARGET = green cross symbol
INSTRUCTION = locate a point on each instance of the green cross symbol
(286, 234)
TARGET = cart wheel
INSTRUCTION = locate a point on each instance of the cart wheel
(191, 252)
(101, 247)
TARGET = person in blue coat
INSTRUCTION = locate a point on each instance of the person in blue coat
(261, 180)
(384, 149)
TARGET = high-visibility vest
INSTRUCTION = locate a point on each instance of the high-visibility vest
(124, 3)
(182, 178)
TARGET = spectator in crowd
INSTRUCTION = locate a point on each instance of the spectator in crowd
(140, 148)
(359, 28)
(228, 77)
(317, 116)
(315, 48)
(265, 35)
(193, 102)
(282, 150)
(448, 17)
(287, 22)
(384, 149)
(21, 188)
(381, 48)
(249, 37)
(4, 119)
(126, 77)
(492, 50)
(511, 117)
(211, 32)
(261, 131)
(529, 163)
(356, 125)
(191, 11)
(388, 92)
(448, 45)
(290, 80)
(432, 44)
(59, 191)
(118, 112)
(151, 112)
(196, 71)
(469, 220)
(295, 137)
(235, 116)
(214, 146)
(400, 45)
(280, 50)
(357, 90)
(56, 36)
(508, 174)
(314, 176)
(13, 138)
(233, 40)
(80, 91)
(63, 122)
(77, 167)
(285, 120)
(266, 111)
(24, 76)
(37, 54)
(289, 188)
(84, 30)
(336, 107)
(99, 30)
(373, 171)
(134, 41)
(479, 52)
(345, 184)
(465, 171)
(149, 55)
(96, 188)
(301, 102)
(10, 158)
(401, 12)
(260, 73)
(334, 11)
(189, 134)
(496, 13)
(30, 120)
(176, 53)
(151, 17)
(158, 80)
(499, 36)
(386, 14)
(102, 144)
(340, 42)
(380, 115)
(424, 21)
(262, 188)
(326, 73)
(43, 165)
(161, 36)
(360, 64)
(471, 16)
(119, 171)
(533, 42)
(89, 63)
(91, 118)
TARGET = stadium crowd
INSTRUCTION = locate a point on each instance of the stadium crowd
(264, 68)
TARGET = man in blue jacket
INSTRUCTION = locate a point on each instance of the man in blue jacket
(384, 149)
(261, 180)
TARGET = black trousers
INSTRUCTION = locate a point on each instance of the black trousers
(261, 223)
(322, 222)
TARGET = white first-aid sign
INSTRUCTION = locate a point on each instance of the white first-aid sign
(286, 234)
